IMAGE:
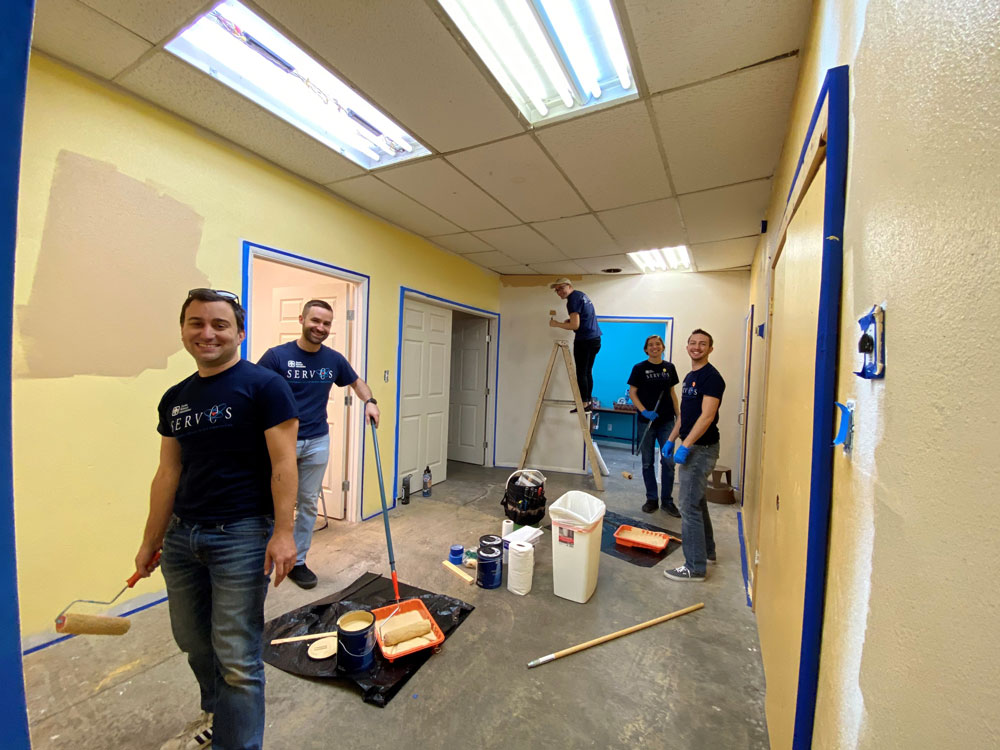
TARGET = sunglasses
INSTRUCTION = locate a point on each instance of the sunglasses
(220, 292)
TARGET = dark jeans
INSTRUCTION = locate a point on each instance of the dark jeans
(216, 587)
(584, 354)
(698, 538)
(658, 433)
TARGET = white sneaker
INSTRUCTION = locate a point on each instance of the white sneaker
(196, 736)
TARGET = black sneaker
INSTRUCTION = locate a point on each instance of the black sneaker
(302, 577)
(650, 506)
(683, 573)
(671, 509)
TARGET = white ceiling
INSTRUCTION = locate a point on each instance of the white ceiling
(689, 162)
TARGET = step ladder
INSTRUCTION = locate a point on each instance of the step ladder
(584, 417)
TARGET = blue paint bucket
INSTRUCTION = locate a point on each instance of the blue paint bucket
(355, 641)
(489, 569)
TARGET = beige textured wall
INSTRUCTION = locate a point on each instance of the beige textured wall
(909, 654)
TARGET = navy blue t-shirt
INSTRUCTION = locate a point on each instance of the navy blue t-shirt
(697, 384)
(654, 382)
(578, 302)
(219, 422)
(311, 376)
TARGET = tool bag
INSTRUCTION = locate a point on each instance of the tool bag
(524, 498)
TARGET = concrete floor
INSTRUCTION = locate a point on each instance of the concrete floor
(695, 682)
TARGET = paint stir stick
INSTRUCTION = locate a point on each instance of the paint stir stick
(612, 636)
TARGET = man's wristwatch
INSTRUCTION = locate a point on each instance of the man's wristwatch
(371, 401)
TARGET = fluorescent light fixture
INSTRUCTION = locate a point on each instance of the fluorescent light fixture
(662, 259)
(554, 58)
(238, 48)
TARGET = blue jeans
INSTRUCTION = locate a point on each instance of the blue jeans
(313, 455)
(658, 433)
(696, 525)
(216, 587)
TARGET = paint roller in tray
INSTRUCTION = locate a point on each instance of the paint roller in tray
(76, 624)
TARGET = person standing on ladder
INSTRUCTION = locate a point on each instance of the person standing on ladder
(311, 369)
(698, 430)
(651, 388)
(587, 342)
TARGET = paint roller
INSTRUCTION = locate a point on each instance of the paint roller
(76, 624)
(629, 474)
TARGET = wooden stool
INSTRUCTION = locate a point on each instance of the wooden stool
(720, 490)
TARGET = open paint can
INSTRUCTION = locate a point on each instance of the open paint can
(355, 640)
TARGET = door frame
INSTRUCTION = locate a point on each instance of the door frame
(485, 398)
(354, 470)
(492, 374)
(830, 119)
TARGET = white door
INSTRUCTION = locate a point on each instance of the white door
(467, 399)
(286, 306)
(423, 394)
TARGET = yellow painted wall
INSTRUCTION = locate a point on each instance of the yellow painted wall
(909, 650)
(123, 208)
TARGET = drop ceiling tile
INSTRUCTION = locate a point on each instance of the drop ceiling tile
(610, 156)
(521, 243)
(151, 19)
(728, 130)
(177, 86)
(725, 213)
(490, 259)
(514, 271)
(646, 225)
(716, 256)
(462, 244)
(597, 265)
(718, 36)
(371, 193)
(78, 34)
(442, 188)
(522, 177)
(404, 59)
(578, 236)
(558, 268)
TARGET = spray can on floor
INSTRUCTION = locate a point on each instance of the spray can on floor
(426, 491)
(405, 500)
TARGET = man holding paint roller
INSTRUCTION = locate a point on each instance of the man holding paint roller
(651, 388)
(695, 457)
(587, 335)
(221, 507)
(311, 370)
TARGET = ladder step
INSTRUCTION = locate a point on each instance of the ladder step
(558, 401)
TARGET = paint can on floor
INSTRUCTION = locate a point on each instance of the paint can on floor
(355, 640)
(490, 540)
(489, 569)
(456, 554)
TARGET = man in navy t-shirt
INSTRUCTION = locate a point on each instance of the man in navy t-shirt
(587, 341)
(695, 457)
(311, 370)
(221, 507)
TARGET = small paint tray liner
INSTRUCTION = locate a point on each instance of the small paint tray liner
(430, 640)
(631, 536)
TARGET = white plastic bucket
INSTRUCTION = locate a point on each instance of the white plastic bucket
(576, 544)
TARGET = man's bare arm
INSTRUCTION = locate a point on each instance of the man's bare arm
(281, 551)
(161, 504)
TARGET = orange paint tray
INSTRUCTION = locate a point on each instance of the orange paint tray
(630, 536)
(431, 640)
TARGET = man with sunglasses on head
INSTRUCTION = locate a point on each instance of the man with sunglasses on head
(221, 507)
(311, 370)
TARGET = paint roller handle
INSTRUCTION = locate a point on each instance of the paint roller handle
(136, 576)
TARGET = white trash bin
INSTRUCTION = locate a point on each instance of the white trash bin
(577, 526)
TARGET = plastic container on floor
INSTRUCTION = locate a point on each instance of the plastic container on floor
(576, 544)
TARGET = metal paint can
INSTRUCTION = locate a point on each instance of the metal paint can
(355, 640)
(490, 540)
(489, 570)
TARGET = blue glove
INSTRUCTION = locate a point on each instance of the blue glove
(668, 449)
(650, 415)
(681, 455)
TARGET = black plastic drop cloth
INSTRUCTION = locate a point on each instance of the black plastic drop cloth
(371, 591)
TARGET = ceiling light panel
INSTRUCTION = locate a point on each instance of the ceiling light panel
(241, 50)
(662, 259)
(554, 58)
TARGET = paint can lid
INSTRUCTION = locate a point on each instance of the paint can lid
(490, 540)
(489, 553)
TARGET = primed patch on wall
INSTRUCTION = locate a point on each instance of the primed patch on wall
(116, 259)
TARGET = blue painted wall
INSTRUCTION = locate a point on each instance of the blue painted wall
(621, 348)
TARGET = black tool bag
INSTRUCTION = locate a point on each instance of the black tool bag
(524, 499)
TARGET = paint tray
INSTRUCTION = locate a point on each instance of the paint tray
(631, 536)
(430, 640)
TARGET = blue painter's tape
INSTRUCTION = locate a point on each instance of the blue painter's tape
(743, 558)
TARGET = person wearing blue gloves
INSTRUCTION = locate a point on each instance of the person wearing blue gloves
(651, 388)
(587, 336)
(695, 456)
